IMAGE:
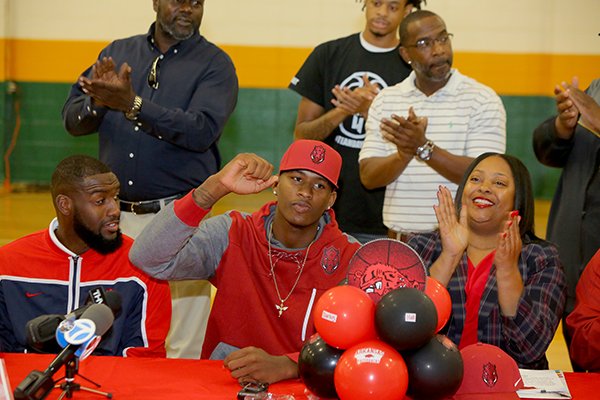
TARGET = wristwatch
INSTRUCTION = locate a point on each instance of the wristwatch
(135, 109)
(424, 152)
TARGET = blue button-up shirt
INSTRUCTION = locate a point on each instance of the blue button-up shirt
(172, 147)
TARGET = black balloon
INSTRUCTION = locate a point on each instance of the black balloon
(316, 364)
(435, 370)
(405, 318)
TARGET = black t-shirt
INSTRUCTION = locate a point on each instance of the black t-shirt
(344, 61)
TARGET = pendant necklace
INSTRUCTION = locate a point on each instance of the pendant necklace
(281, 307)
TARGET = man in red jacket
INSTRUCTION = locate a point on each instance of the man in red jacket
(269, 266)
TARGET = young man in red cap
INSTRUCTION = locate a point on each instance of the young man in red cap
(269, 266)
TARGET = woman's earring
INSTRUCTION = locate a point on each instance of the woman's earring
(275, 192)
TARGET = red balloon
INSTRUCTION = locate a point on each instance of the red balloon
(441, 298)
(344, 316)
(371, 370)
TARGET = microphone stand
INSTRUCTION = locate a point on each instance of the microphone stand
(69, 385)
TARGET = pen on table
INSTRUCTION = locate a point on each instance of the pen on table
(561, 394)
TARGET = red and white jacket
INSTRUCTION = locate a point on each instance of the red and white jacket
(38, 275)
(232, 251)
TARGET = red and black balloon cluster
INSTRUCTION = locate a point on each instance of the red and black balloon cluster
(377, 336)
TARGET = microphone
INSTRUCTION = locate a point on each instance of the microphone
(98, 317)
(94, 322)
(81, 332)
(40, 332)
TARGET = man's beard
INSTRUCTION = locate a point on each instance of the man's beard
(96, 241)
(175, 34)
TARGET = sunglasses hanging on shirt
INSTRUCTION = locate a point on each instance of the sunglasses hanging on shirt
(153, 74)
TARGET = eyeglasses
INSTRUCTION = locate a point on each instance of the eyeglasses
(153, 74)
(427, 43)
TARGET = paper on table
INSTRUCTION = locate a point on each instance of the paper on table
(543, 384)
(5, 392)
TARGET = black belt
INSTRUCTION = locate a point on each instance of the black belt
(146, 206)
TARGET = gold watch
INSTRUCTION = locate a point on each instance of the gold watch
(135, 109)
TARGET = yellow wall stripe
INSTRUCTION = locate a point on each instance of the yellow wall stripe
(266, 67)
(527, 74)
(49, 60)
(273, 67)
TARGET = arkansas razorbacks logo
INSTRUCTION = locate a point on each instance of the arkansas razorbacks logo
(381, 278)
(382, 265)
(489, 375)
(330, 260)
(317, 155)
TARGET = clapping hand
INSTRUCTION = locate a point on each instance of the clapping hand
(406, 133)
(355, 101)
(572, 104)
(589, 110)
(107, 87)
(567, 111)
(509, 244)
(506, 260)
(454, 232)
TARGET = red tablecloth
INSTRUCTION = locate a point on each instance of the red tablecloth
(144, 378)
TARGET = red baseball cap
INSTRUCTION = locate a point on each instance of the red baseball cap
(488, 369)
(315, 156)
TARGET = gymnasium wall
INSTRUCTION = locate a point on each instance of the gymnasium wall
(519, 48)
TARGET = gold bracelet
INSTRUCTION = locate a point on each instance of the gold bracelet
(135, 109)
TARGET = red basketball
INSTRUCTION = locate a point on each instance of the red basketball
(383, 265)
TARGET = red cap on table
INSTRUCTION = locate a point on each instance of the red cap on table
(488, 369)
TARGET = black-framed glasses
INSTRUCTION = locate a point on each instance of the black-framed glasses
(427, 43)
(153, 74)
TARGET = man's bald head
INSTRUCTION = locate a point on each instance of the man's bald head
(409, 19)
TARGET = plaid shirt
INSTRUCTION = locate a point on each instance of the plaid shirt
(527, 335)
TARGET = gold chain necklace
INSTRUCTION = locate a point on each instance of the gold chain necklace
(281, 307)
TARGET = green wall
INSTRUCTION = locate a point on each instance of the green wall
(3, 124)
(262, 123)
(523, 115)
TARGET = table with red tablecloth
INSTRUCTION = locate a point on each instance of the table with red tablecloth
(151, 378)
